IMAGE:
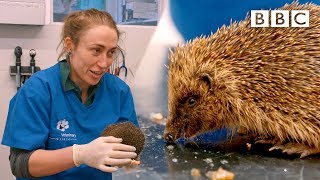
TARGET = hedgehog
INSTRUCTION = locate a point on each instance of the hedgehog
(130, 134)
(265, 81)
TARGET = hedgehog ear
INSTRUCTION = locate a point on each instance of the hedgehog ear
(206, 78)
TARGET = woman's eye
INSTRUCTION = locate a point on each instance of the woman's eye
(96, 51)
(111, 53)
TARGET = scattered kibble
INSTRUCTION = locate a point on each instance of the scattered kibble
(195, 172)
(249, 146)
(158, 136)
(220, 174)
(224, 161)
(170, 147)
(158, 118)
(208, 160)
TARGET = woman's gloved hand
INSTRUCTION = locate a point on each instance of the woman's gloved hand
(104, 153)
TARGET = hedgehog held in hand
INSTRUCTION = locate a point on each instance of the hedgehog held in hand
(130, 134)
(264, 80)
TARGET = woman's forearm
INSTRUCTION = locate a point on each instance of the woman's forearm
(49, 162)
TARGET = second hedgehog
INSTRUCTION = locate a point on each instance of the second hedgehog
(263, 80)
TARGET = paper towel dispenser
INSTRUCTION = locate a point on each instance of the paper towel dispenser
(28, 12)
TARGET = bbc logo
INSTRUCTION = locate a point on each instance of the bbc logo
(280, 18)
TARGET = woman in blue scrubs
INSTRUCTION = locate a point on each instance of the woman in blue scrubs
(55, 119)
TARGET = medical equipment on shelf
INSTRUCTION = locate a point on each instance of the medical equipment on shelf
(119, 64)
(32, 54)
(22, 73)
(18, 54)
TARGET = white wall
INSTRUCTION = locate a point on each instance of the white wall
(44, 39)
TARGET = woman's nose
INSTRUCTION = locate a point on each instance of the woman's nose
(105, 62)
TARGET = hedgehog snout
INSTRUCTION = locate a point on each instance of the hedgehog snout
(168, 137)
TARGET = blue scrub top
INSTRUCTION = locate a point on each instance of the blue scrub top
(43, 116)
(203, 17)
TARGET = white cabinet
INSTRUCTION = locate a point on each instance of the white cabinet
(28, 12)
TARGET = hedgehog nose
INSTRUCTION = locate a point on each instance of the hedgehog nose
(168, 137)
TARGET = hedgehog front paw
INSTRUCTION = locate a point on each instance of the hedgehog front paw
(267, 141)
(295, 148)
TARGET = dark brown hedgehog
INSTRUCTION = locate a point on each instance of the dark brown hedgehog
(130, 134)
(265, 81)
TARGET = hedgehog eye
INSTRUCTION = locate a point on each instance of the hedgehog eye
(189, 100)
(192, 101)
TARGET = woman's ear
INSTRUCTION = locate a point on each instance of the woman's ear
(68, 44)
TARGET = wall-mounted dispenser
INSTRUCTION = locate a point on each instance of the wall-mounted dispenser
(22, 73)
(28, 12)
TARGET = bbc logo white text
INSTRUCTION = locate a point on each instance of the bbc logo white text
(280, 18)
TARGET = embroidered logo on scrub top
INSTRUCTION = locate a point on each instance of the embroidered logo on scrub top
(65, 132)
(62, 125)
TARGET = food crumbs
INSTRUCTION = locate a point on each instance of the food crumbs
(220, 174)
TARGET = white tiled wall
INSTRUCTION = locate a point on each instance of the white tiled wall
(44, 39)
